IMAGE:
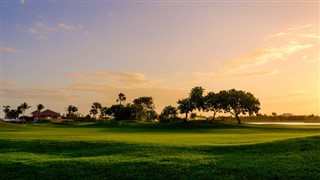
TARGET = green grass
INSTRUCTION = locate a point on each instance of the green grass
(127, 150)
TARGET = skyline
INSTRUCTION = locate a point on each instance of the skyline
(62, 52)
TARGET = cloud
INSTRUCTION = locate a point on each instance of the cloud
(40, 24)
(232, 75)
(301, 27)
(22, 2)
(43, 30)
(7, 49)
(293, 94)
(67, 26)
(262, 56)
(33, 31)
(12, 89)
(115, 79)
(283, 45)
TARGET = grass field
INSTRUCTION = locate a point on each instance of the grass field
(135, 150)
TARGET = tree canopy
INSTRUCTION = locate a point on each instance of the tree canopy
(196, 98)
(238, 102)
(185, 107)
(144, 107)
(213, 102)
(168, 113)
(121, 98)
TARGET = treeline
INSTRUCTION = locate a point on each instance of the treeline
(235, 102)
(141, 108)
(15, 113)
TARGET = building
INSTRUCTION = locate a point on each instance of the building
(46, 114)
(287, 114)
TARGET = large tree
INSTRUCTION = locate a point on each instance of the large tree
(95, 108)
(121, 112)
(24, 106)
(213, 102)
(238, 102)
(196, 98)
(144, 107)
(169, 113)
(121, 98)
(185, 107)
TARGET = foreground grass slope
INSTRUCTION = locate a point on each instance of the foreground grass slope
(52, 151)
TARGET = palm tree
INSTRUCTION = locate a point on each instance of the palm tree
(6, 110)
(40, 107)
(23, 107)
(121, 98)
(94, 108)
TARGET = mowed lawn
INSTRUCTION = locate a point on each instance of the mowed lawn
(135, 150)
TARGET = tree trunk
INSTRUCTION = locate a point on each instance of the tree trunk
(239, 121)
(214, 115)
(185, 119)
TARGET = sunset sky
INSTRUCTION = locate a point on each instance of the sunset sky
(78, 52)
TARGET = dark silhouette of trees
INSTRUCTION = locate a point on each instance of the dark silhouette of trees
(213, 102)
(23, 107)
(196, 98)
(233, 101)
(121, 112)
(238, 102)
(95, 108)
(168, 113)
(144, 108)
(6, 110)
(40, 107)
(121, 98)
(12, 113)
(185, 107)
(71, 110)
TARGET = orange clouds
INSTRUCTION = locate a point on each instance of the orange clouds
(13, 90)
(110, 79)
(42, 30)
(283, 45)
(7, 49)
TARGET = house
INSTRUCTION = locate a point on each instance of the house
(46, 114)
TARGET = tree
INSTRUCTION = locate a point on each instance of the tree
(169, 113)
(212, 102)
(40, 107)
(144, 107)
(196, 98)
(94, 109)
(104, 112)
(121, 112)
(14, 113)
(239, 102)
(71, 110)
(121, 98)
(24, 106)
(185, 106)
(6, 110)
